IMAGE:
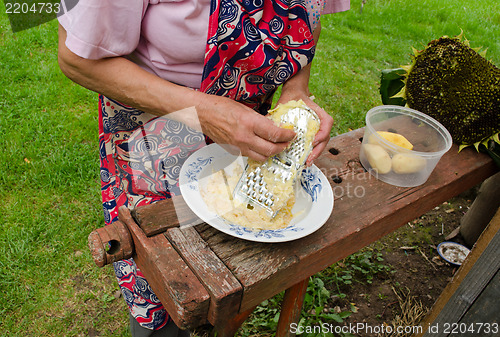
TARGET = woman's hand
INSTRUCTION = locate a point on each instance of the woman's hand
(293, 92)
(228, 122)
(323, 136)
(297, 88)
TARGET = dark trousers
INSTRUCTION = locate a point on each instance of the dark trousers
(169, 330)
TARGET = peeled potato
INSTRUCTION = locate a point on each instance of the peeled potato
(404, 163)
(378, 158)
(394, 138)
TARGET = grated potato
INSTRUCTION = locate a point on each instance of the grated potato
(218, 192)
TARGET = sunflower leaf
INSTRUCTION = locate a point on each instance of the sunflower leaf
(391, 83)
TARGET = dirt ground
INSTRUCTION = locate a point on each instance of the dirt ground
(418, 274)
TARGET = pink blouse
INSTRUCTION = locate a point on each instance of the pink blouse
(165, 37)
(335, 6)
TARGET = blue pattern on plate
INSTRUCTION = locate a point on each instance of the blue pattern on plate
(194, 170)
(311, 183)
(264, 233)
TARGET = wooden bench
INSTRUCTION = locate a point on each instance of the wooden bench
(204, 276)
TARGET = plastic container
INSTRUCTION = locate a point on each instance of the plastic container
(397, 164)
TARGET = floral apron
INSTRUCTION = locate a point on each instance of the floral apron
(253, 47)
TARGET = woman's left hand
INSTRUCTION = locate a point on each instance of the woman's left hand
(321, 139)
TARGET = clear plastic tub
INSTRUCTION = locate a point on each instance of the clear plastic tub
(397, 164)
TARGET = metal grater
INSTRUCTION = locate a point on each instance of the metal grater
(285, 166)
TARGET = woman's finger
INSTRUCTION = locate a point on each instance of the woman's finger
(266, 129)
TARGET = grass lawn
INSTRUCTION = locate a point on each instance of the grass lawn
(49, 170)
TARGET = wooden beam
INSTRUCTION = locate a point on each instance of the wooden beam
(156, 218)
(291, 308)
(177, 287)
(224, 289)
(232, 324)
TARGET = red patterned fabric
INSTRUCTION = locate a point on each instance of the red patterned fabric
(255, 47)
(141, 156)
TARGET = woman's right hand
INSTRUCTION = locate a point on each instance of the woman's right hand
(228, 122)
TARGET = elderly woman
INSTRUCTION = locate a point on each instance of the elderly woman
(222, 59)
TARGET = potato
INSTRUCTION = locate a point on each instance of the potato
(394, 138)
(378, 158)
(404, 163)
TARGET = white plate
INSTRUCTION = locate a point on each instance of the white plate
(317, 202)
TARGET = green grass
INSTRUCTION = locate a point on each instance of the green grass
(49, 187)
(49, 170)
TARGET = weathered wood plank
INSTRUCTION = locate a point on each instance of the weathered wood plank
(179, 290)
(363, 212)
(483, 313)
(224, 289)
(473, 275)
(158, 217)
